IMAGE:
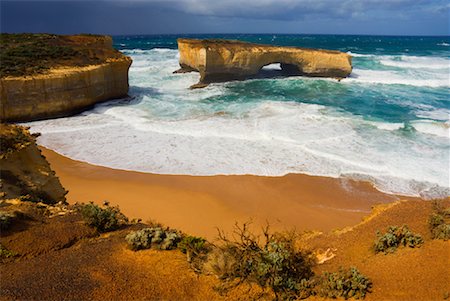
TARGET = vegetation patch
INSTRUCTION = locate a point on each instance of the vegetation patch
(25, 54)
(274, 264)
(5, 253)
(6, 219)
(104, 219)
(439, 222)
(396, 237)
(30, 54)
(13, 138)
(196, 250)
(348, 283)
(155, 237)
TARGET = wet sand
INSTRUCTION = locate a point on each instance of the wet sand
(201, 204)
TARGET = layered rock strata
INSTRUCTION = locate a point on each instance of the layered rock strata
(224, 60)
(24, 171)
(67, 90)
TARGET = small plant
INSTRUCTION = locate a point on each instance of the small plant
(196, 250)
(275, 263)
(344, 283)
(103, 219)
(192, 244)
(157, 237)
(13, 138)
(6, 218)
(439, 222)
(396, 237)
(5, 253)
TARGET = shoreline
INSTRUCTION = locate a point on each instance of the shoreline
(200, 205)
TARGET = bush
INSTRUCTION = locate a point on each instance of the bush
(192, 244)
(6, 218)
(396, 237)
(156, 237)
(344, 283)
(439, 222)
(5, 253)
(196, 250)
(275, 264)
(103, 219)
(13, 138)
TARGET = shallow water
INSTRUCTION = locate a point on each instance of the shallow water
(387, 123)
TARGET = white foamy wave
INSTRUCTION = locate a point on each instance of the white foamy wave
(386, 126)
(359, 54)
(441, 129)
(393, 77)
(430, 112)
(405, 61)
(148, 51)
(274, 138)
(164, 50)
(443, 44)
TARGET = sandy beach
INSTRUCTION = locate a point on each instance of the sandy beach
(199, 205)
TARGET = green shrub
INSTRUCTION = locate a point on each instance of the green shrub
(156, 237)
(103, 219)
(275, 264)
(344, 283)
(396, 237)
(192, 244)
(5, 253)
(439, 222)
(196, 250)
(6, 218)
(13, 138)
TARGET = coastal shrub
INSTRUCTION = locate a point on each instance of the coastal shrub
(104, 219)
(344, 283)
(5, 253)
(275, 264)
(156, 237)
(396, 237)
(196, 250)
(193, 244)
(6, 218)
(13, 138)
(29, 54)
(439, 222)
(25, 54)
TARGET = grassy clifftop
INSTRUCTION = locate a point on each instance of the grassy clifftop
(29, 54)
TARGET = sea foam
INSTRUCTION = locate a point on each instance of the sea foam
(240, 128)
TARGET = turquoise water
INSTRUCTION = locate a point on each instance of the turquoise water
(387, 123)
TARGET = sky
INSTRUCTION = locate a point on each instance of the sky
(119, 17)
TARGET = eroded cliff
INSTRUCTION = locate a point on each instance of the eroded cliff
(223, 60)
(78, 72)
(24, 171)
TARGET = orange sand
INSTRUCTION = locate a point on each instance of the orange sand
(200, 204)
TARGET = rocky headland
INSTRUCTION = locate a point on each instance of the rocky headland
(47, 76)
(224, 60)
(25, 173)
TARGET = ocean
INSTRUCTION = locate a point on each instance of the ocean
(388, 123)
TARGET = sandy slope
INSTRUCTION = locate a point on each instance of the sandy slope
(200, 204)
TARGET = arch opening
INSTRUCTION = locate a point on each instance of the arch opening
(278, 69)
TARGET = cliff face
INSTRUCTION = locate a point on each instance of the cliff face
(67, 89)
(23, 169)
(222, 60)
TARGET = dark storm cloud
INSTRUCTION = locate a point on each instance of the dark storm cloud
(203, 16)
(301, 9)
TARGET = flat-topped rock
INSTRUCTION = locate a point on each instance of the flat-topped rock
(48, 76)
(224, 60)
